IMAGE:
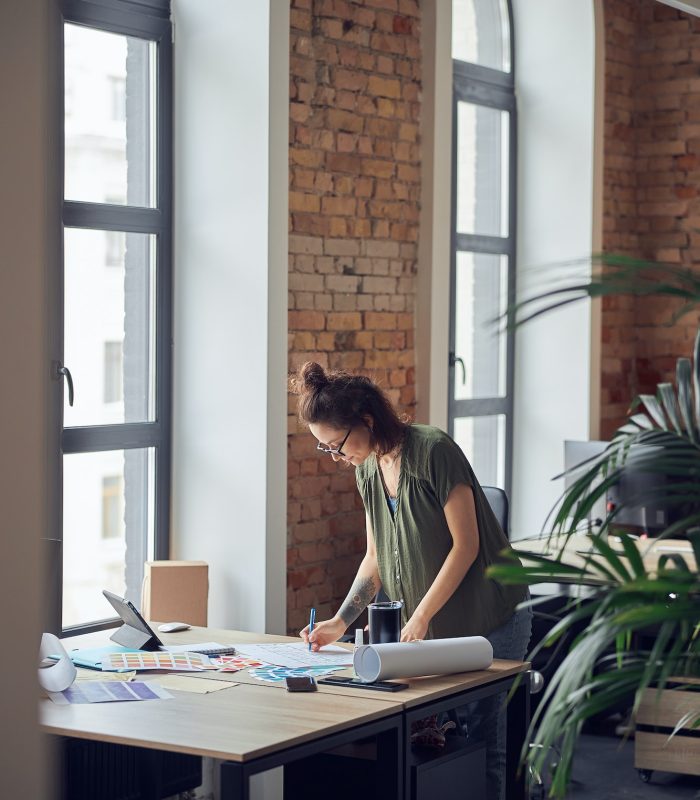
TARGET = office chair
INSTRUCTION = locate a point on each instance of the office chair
(498, 500)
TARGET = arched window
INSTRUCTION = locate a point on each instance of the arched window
(483, 236)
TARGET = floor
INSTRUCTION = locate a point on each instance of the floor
(604, 770)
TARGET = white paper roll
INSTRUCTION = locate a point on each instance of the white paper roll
(376, 662)
(56, 677)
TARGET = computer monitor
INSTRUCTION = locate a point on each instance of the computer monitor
(640, 494)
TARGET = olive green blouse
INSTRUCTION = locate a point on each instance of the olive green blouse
(412, 544)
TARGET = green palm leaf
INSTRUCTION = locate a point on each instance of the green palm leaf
(668, 399)
(660, 438)
(683, 377)
(655, 409)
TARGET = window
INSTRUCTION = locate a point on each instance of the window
(116, 322)
(483, 236)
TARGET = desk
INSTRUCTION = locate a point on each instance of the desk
(256, 726)
(577, 546)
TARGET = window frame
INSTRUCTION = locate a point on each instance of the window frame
(149, 20)
(491, 88)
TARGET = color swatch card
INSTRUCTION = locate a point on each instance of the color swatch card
(178, 662)
(109, 692)
(272, 674)
(234, 663)
(297, 654)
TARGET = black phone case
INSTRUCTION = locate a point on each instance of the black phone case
(379, 686)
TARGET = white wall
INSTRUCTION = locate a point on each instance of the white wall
(555, 79)
(230, 310)
(28, 252)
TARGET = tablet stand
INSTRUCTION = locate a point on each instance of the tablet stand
(134, 638)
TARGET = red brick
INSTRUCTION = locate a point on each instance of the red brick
(377, 168)
(344, 321)
(343, 163)
(306, 320)
(338, 205)
(402, 25)
(345, 121)
(384, 87)
(379, 322)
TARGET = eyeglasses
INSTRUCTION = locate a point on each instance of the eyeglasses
(334, 451)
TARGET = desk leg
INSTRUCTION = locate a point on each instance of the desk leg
(390, 764)
(235, 783)
(518, 711)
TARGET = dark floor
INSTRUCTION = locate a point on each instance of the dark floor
(604, 770)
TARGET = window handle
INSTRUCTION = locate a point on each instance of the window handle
(457, 360)
(64, 372)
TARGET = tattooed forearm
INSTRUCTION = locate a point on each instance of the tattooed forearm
(359, 597)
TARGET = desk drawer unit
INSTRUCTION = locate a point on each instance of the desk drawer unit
(457, 773)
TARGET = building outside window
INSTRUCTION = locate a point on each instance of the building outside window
(117, 88)
(112, 507)
(113, 371)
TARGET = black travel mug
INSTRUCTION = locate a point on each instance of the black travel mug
(385, 622)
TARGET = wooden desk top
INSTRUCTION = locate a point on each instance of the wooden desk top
(421, 690)
(238, 724)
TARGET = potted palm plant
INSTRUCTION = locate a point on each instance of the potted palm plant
(630, 595)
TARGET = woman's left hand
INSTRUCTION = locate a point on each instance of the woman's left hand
(416, 628)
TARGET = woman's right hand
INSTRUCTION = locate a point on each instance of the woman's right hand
(324, 633)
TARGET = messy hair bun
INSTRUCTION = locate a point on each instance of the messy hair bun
(313, 376)
(343, 400)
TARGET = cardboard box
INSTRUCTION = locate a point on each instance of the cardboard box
(176, 591)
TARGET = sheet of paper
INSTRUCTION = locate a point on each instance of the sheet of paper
(94, 675)
(297, 654)
(193, 647)
(177, 662)
(109, 692)
(190, 683)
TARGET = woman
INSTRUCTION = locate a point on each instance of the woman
(431, 533)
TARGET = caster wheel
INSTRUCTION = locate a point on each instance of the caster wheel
(645, 774)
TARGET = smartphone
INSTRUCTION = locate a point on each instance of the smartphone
(301, 683)
(357, 683)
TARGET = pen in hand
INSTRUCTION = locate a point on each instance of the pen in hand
(312, 619)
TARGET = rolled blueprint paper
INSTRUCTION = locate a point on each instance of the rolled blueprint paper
(377, 662)
(56, 677)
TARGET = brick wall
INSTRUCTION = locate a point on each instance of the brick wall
(354, 204)
(651, 188)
